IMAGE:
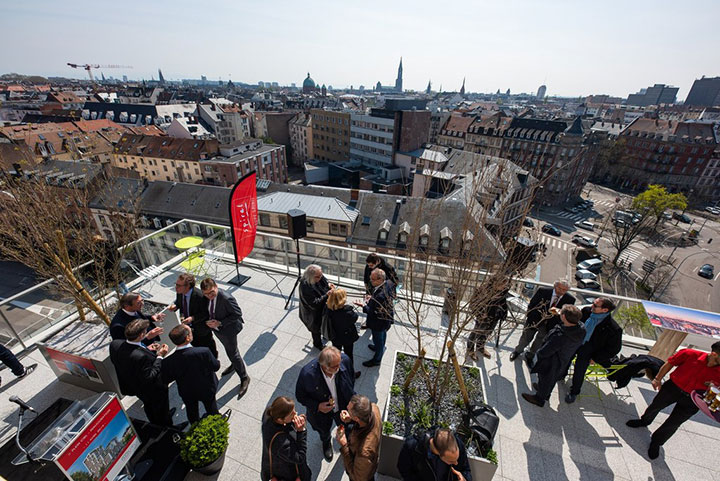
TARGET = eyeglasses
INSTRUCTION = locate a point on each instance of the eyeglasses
(177, 284)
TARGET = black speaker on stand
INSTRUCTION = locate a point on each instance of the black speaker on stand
(297, 228)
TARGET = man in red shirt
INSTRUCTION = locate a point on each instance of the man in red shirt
(693, 371)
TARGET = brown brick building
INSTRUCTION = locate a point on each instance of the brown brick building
(330, 135)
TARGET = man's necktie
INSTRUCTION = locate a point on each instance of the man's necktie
(185, 307)
(212, 309)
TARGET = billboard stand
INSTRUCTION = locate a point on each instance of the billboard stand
(243, 221)
(239, 279)
(93, 439)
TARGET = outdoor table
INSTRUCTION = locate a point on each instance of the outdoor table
(698, 398)
(188, 242)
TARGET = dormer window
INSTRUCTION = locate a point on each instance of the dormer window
(384, 230)
(445, 240)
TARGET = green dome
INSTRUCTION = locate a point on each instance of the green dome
(308, 82)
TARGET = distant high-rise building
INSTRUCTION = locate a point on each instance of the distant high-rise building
(203, 79)
(704, 92)
(655, 95)
(541, 92)
(162, 79)
(399, 80)
(261, 83)
(124, 78)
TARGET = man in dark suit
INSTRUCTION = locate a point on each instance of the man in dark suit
(225, 319)
(380, 314)
(138, 371)
(542, 315)
(602, 342)
(191, 304)
(438, 456)
(130, 309)
(374, 261)
(324, 387)
(556, 353)
(194, 370)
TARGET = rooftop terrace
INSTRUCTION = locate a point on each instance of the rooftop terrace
(585, 441)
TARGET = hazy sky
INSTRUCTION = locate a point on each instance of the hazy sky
(576, 47)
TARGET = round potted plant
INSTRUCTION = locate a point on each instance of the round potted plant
(203, 447)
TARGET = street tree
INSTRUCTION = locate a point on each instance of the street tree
(656, 200)
(622, 231)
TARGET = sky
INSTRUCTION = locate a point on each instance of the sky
(575, 47)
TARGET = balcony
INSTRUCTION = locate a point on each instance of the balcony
(587, 440)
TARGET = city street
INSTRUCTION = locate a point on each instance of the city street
(687, 287)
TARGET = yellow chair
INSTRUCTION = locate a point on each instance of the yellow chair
(195, 263)
(596, 373)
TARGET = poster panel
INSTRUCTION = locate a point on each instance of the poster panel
(74, 365)
(683, 319)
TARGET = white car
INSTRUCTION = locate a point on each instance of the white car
(589, 284)
(583, 224)
(585, 274)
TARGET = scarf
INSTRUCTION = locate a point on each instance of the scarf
(592, 323)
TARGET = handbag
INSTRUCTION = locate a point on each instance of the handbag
(480, 424)
(273, 478)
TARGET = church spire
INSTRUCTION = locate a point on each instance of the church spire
(462, 89)
(399, 80)
(429, 87)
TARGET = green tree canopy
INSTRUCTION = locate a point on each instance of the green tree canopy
(656, 200)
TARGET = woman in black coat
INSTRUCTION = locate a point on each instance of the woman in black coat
(339, 323)
(285, 442)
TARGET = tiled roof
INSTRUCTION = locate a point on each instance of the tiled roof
(663, 129)
(458, 123)
(180, 200)
(166, 147)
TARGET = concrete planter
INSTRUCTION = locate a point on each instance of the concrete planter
(391, 444)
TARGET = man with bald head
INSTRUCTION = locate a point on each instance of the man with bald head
(380, 314)
(439, 456)
(324, 386)
(543, 314)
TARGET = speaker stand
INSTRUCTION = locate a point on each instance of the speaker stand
(239, 279)
(297, 281)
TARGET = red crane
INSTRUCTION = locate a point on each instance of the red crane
(90, 66)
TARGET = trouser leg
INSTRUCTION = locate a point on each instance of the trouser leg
(192, 409)
(206, 341)
(668, 394)
(542, 332)
(157, 408)
(582, 361)
(230, 344)
(11, 361)
(348, 349)
(379, 338)
(211, 406)
(683, 410)
(316, 338)
(545, 386)
(525, 339)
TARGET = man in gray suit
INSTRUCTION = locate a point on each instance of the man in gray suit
(225, 320)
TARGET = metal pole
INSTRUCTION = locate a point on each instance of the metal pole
(297, 281)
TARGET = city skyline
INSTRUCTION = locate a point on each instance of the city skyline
(574, 49)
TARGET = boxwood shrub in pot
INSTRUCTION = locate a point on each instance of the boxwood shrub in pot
(203, 447)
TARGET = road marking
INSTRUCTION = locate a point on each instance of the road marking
(716, 277)
(629, 255)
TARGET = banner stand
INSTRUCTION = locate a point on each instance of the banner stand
(243, 221)
(239, 279)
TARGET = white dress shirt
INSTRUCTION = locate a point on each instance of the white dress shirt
(333, 390)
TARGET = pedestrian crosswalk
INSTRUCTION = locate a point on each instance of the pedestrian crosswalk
(606, 203)
(553, 242)
(570, 215)
(629, 255)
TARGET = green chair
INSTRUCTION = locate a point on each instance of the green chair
(596, 374)
(195, 263)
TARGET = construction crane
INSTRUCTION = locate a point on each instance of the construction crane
(89, 67)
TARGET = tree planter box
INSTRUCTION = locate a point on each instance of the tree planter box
(391, 444)
(80, 353)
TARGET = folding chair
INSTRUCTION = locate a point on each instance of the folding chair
(195, 263)
(596, 373)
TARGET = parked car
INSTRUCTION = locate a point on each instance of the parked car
(712, 210)
(583, 224)
(583, 241)
(589, 284)
(667, 216)
(682, 217)
(527, 222)
(551, 229)
(592, 265)
(707, 271)
(585, 274)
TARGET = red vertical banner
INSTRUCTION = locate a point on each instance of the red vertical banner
(244, 216)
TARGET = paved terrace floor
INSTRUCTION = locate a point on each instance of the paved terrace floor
(585, 441)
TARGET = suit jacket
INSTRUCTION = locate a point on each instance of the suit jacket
(538, 311)
(558, 350)
(311, 390)
(194, 370)
(312, 302)
(413, 463)
(379, 308)
(390, 275)
(138, 369)
(227, 312)
(606, 340)
(121, 320)
(197, 310)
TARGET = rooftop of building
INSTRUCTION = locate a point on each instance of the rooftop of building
(671, 130)
(316, 207)
(587, 440)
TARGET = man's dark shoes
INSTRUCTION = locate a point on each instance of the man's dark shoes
(532, 399)
(535, 386)
(357, 374)
(514, 355)
(371, 363)
(653, 451)
(328, 451)
(228, 370)
(363, 325)
(171, 412)
(319, 347)
(636, 423)
(371, 347)
(28, 370)
(243, 387)
(181, 426)
(570, 398)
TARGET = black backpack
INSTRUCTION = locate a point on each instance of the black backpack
(480, 424)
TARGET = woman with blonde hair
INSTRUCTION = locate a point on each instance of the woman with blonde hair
(339, 322)
(284, 443)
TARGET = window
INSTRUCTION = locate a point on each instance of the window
(310, 226)
(264, 219)
(283, 221)
(157, 223)
(382, 235)
(424, 240)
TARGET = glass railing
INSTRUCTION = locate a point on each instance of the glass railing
(199, 247)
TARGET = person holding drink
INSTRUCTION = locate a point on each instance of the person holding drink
(693, 371)
(360, 442)
(190, 307)
(284, 438)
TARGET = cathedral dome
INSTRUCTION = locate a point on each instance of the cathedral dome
(308, 82)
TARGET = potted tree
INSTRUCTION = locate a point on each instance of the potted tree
(203, 447)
